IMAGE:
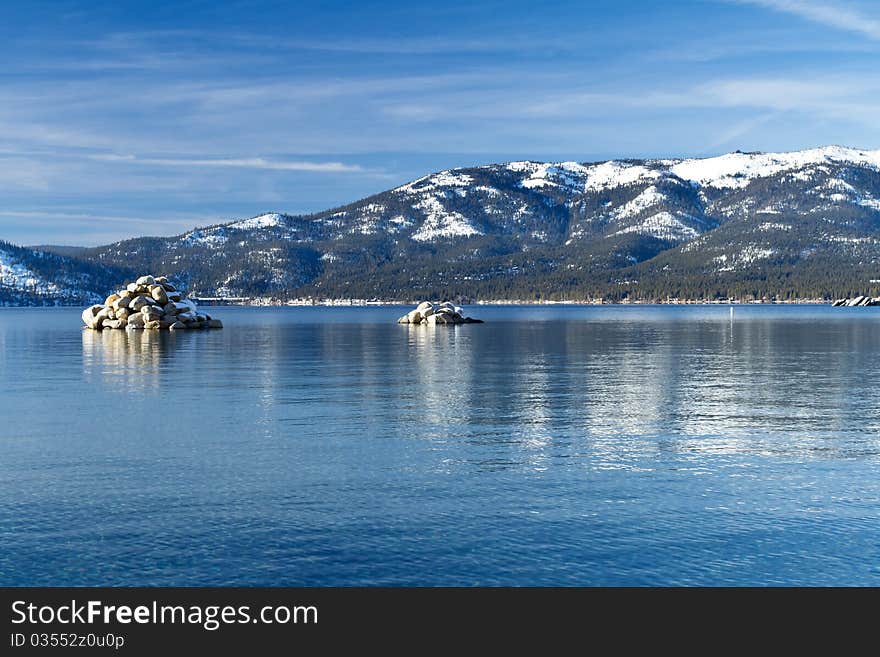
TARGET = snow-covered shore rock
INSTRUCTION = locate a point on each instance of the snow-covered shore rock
(148, 303)
(433, 314)
(857, 301)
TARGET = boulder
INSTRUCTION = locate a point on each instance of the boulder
(215, 324)
(121, 302)
(157, 292)
(111, 299)
(176, 326)
(145, 281)
(114, 323)
(178, 307)
(89, 316)
(138, 302)
(153, 324)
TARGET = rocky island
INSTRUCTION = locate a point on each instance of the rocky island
(442, 313)
(148, 303)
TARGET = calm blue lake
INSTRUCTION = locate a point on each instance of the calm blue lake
(549, 446)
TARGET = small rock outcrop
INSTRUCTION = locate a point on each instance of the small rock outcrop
(857, 301)
(432, 314)
(148, 303)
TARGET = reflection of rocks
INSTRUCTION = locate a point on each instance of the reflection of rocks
(125, 360)
(148, 303)
(433, 314)
(858, 301)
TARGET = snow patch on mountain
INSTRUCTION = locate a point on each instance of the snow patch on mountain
(618, 174)
(664, 226)
(440, 223)
(269, 220)
(771, 226)
(582, 177)
(648, 198)
(448, 178)
(748, 255)
(737, 170)
(16, 275)
(872, 203)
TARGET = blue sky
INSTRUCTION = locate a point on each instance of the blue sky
(120, 119)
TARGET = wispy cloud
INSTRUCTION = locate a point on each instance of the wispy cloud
(236, 163)
(831, 14)
(847, 95)
(53, 216)
(51, 226)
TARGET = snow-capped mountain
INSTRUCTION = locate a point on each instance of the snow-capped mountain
(798, 224)
(37, 277)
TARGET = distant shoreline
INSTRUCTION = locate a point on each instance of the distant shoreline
(348, 303)
(501, 302)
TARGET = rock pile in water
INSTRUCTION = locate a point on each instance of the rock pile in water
(858, 301)
(442, 313)
(148, 303)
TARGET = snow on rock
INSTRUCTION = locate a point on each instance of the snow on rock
(149, 302)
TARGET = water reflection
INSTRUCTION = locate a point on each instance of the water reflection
(626, 391)
(128, 361)
(613, 394)
(547, 446)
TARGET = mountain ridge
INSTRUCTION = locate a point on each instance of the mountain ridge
(752, 225)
